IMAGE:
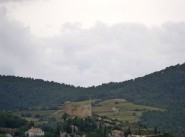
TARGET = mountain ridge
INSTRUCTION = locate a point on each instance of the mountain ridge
(151, 90)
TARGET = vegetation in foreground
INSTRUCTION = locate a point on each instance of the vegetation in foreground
(128, 112)
(95, 126)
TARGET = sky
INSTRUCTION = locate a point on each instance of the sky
(90, 42)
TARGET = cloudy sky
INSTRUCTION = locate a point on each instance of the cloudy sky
(90, 42)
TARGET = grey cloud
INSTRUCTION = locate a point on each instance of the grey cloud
(5, 1)
(18, 48)
(6, 70)
(90, 56)
(172, 36)
(15, 39)
(119, 52)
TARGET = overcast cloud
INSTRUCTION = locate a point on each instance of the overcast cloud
(4, 1)
(86, 57)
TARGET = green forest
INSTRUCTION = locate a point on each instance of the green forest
(9, 121)
(172, 121)
(165, 89)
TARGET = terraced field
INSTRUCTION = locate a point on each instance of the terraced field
(120, 109)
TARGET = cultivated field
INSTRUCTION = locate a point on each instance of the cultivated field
(118, 109)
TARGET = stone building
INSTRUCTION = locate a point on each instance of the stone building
(78, 110)
(33, 132)
(117, 133)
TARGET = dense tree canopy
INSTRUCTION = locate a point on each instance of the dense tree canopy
(165, 89)
(9, 121)
(172, 121)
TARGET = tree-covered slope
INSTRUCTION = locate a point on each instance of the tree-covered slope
(172, 121)
(27, 93)
(165, 89)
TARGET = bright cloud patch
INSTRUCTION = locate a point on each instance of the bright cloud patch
(92, 56)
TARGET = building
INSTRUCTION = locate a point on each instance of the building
(117, 133)
(78, 110)
(32, 132)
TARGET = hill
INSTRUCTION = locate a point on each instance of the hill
(165, 89)
(28, 93)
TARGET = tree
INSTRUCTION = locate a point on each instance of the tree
(65, 116)
(155, 130)
(105, 131)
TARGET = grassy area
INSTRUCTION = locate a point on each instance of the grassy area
(126, 111)
(42, 113)
(35, 115)
(85, 102)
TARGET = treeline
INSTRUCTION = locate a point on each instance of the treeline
(28, 93)
(171, 121)
(9, 121)
(165, 89)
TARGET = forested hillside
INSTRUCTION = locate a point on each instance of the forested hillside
(172, 121)
(28, 93)
(165, 89)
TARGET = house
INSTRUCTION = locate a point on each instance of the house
(32, 132)
(117, 133)
(64, 134)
